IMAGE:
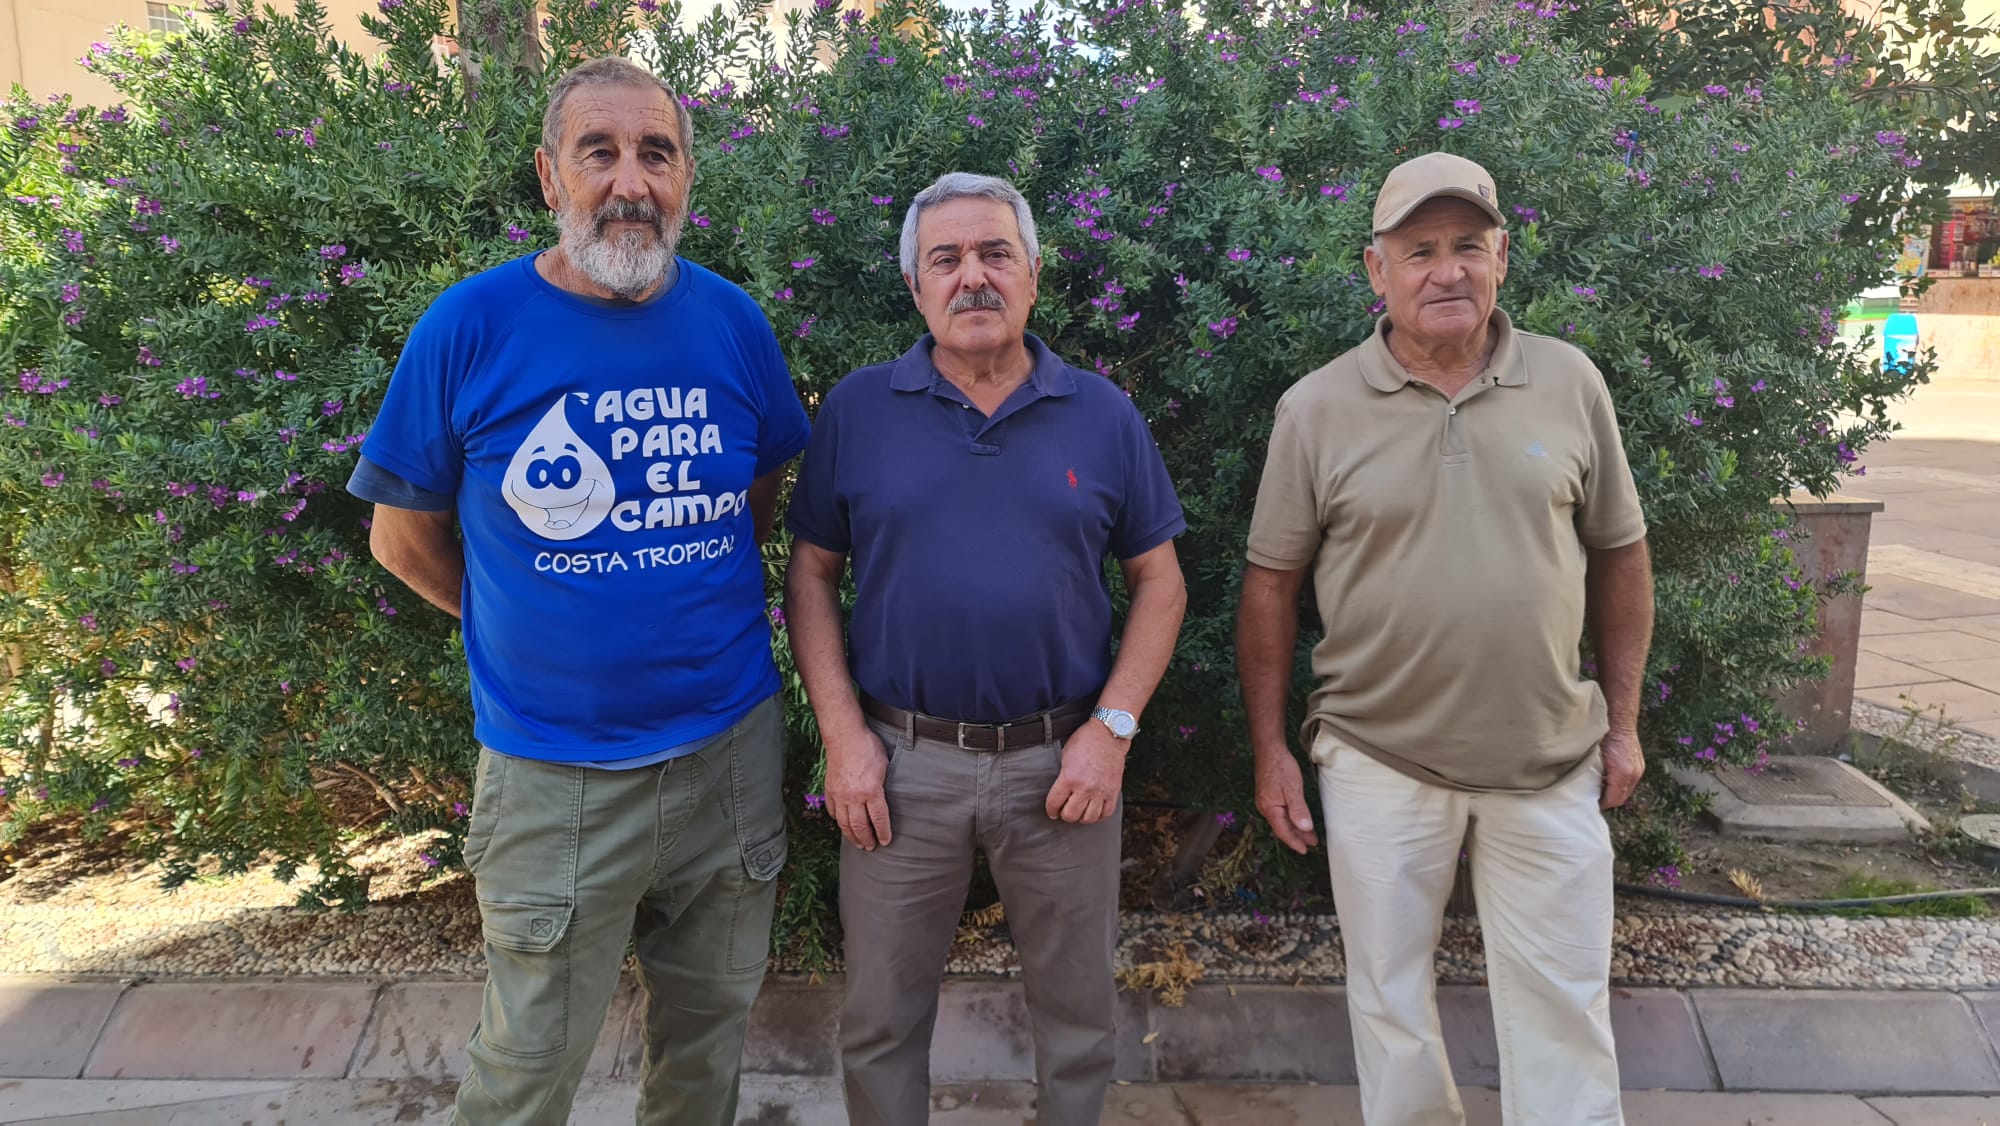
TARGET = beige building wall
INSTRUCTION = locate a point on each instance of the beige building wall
(41, 40)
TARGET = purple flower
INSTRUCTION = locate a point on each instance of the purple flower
(1272, 174)
(1760, 385)
(803, 263)
(334, 252)
(1466, 105)
(1508, 60)
(784, 294)
(881, 200)
(824, 217)
(815, 802)
(331, 407)
(1410, 28)
(1850, 197)
(1713, 270)
(1186, 731)
(1224, 328)
(1239, 254)
(72, 240)
(113, 116)
(1588, 293)
(1127, 323)
(1691, 418)
(834, 132)
(1888, 138)
(169, 244)
(27, 124)
(700, 220)
(108, 667)
(52, 478)
(351, 273)
(185, 664)
(1450, 122)
(388, 6)
(260, 322)
(1716, 91)
(1226, 819)
(806, 326)
(976, 121)
(1466, 68)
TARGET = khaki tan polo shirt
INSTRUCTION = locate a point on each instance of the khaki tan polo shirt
(1447, 544)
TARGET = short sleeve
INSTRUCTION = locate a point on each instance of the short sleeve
(781, 433)
(1149, 514)
(1285, 530)
(817, 515)
(373, 483)
(1610, 515)
(413, 436)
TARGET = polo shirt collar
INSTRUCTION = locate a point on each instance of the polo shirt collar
(1383, 372)
(915, 372)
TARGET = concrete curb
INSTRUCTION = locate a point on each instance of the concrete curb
(1808, 1041)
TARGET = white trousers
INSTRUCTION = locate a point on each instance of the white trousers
(1541, 871)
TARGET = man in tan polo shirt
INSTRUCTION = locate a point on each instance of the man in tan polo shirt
(1457, 492)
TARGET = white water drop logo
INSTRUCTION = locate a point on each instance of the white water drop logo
(556, 483)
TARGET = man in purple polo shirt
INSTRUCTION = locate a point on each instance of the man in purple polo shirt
(979, 483)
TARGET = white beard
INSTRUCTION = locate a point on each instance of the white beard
(628, 263)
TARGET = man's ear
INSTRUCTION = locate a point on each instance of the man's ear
(545, 168)
(1378, 270)
(911, 281)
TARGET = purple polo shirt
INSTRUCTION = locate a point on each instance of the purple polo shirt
(979, 544)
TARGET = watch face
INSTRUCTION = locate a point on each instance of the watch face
(1122, 724)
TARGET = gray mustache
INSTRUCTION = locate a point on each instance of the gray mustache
(982, 298)
(627, 210)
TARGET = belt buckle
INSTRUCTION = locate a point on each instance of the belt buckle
(961, 737)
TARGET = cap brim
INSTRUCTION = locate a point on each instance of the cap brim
(1467, 194)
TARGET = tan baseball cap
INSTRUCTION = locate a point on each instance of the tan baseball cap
(1427, 177)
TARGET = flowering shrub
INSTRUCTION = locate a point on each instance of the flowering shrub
(206, 287)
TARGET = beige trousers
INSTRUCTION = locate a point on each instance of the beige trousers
(1541, 870)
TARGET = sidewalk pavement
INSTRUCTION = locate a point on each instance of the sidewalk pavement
(1931, 619)
(769, 1101)
(343, 1050)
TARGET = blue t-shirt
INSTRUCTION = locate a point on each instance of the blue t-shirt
(600, 458)
(978, 543)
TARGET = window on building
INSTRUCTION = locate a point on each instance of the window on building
(161, 18)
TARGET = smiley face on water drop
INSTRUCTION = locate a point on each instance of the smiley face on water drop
(556, 483)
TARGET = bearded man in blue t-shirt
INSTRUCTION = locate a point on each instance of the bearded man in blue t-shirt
(606, 425)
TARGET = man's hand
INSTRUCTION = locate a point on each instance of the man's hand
(1281, 798)
(1093, 769)
(1624, 765)
(856, 764)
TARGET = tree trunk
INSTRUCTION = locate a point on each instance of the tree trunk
(498, 33)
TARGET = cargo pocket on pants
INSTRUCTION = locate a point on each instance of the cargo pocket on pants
(526, 1014)
(750, 918)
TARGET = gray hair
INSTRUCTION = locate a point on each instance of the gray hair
(967, 185)
(608, 71)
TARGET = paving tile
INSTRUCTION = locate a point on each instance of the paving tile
(1466, 1014)
(1659, 1043)
(1985, 626)
(420, 1029)
(1927, 649)
(1269, 1032)
(1872, 670)
(1989, 728)
(1707, 1108)
(1912, 599)
(1882, 623)
(1225, 1105)
(1942, 1111)
(47, 1028)
(1980, 674)
(1962, 703)
(982, 1033)
(794, 1030)
(80, 1100)
(1869, 1042)
(261, 1030)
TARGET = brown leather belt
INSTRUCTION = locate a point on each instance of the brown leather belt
(1033, 731)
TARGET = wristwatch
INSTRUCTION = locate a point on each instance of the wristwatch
(1121, 723)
